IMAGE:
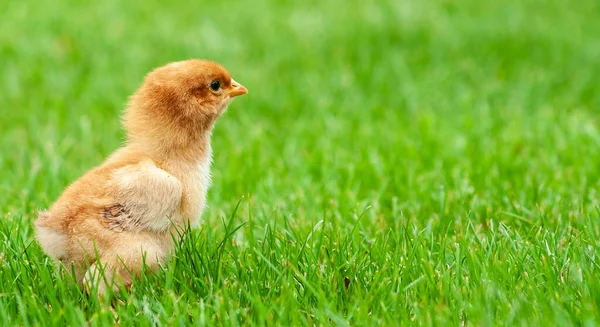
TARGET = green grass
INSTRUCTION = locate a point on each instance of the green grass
(396, 162)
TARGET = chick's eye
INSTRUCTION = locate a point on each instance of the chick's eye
(215, 85)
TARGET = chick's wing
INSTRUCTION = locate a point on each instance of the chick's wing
(145, 196)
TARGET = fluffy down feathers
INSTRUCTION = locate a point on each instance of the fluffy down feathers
(129, 207)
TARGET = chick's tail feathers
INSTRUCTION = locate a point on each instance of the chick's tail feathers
(52, 241)
(43, 217)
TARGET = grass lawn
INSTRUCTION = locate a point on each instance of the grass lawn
(395, 162)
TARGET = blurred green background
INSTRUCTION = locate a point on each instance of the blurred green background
(349, 101)
(450, 116)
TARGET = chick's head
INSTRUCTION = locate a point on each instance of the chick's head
(186, 95)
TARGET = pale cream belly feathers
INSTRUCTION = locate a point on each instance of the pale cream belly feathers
(195, 182)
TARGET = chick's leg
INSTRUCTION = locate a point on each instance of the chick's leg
(119, 264)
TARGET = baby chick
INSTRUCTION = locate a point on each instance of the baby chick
(124, 212)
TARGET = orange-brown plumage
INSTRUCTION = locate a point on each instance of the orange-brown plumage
(128, 208)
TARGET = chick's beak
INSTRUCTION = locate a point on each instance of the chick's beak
(237, 89)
